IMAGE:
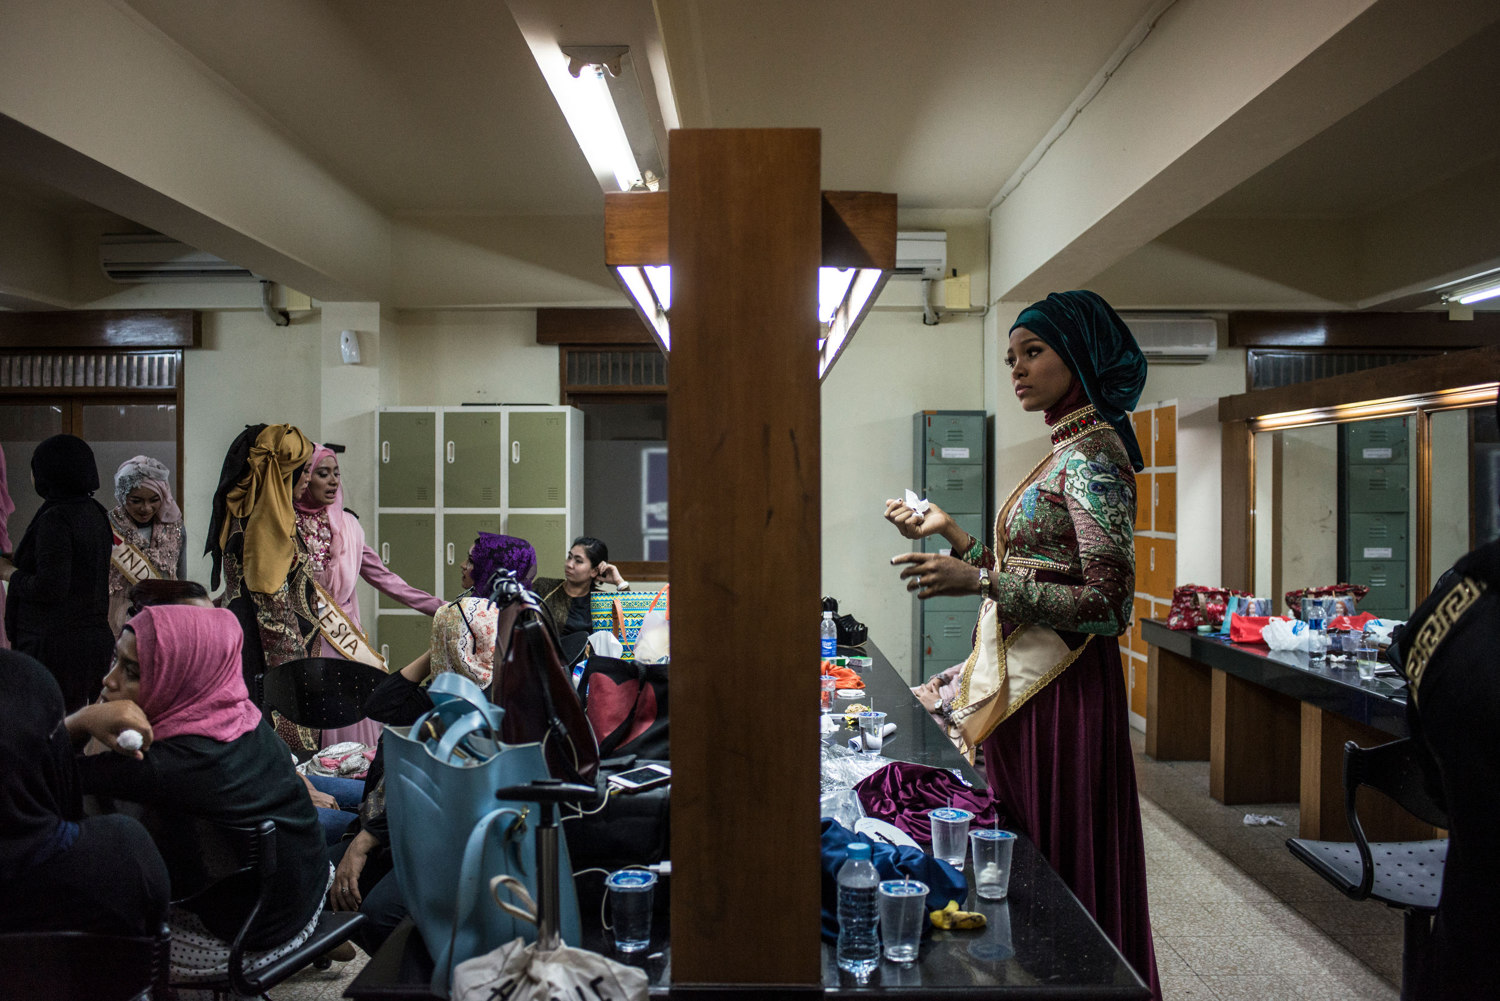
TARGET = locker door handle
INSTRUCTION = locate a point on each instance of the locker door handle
(385, 553)
(450, 554)
(385, 451)
(1152, 550)
(450, 451)
(1155, 494)
(385, 652)
(515, 452)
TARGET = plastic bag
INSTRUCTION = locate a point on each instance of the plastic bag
(606, 644)
(1285, 634)
(653, 645)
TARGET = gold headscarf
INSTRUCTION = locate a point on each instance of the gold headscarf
(262, 499)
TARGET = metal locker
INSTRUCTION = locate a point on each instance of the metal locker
(954, 438)
(471, 459)
(1387, 581)
(1377, 488)
(1381, 442)
(459, 533)
(536, 450)
(947, 635)
(1378, 536)
(956, 489)
(401, 638)
(407, 542)
(548, 535)
(408, 448)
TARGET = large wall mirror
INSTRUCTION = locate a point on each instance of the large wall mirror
(1388, 497)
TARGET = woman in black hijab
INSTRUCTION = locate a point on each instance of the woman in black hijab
(57, 605)
(60, 871)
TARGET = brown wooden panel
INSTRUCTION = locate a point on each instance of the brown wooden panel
(1164, 428)
(1178, 693)
(1142, 563)
(1164, 508)
(1237, 537)
(1161, 568)
(644, 570)
(635, 228)
(591, 326)
(859, 229)
(745, 495)
(1322, 816)
(102, 328)
(1250, 329)
(1143, 502)
(1255, 740)
(1141, 609)
(1425, 375)
(1141, 421)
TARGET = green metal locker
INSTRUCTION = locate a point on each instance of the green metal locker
(954, 438)
(471, 459)
(947, 635)
(537, 450)
(459, 533)
(408, 448)
(548, 535)
(1377, 488)
(1378, 536)
(956, 488)
(1387, 581)
(401, 639)
(1377, 442)
(407, 542)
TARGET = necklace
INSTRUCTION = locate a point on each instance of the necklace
(1076, 425)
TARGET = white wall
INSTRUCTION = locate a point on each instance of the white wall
(449, 357)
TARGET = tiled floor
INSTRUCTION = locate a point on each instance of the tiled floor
(1235, 916)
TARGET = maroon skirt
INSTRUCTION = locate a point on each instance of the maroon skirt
(1062, 771)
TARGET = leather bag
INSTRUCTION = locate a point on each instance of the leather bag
(627, 705)
(450, 835)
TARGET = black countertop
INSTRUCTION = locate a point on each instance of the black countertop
(1380, 703)
(1039, 943)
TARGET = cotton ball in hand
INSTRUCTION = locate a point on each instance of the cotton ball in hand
(129, 740)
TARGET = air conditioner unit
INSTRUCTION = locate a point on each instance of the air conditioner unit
(921, 255)
(1175, 340)
(154, 257)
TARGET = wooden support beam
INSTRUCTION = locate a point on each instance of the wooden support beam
(744, 493)
(101, 328)
(591, 326)
(1360, 331)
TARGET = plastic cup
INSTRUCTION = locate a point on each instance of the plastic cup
(871, 730)
(630, 898)
(950, 834)
(1366, 659)
(828, 684)
(903, 909)
(992, 850)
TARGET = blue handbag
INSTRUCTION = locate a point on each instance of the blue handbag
(450, 835)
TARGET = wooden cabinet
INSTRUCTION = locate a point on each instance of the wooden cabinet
(1176, 519)
(445, 474)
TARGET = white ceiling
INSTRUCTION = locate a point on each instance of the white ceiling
(428, 129)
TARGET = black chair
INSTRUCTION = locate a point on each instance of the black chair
(1402, 874)
(230, 851)
(72, 964)
(320, 692)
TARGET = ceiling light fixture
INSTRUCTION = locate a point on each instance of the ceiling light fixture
(1475, 288)
(600, 95)
(1479, 295)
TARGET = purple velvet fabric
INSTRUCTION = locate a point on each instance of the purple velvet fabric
(1063, 770)
(493, 552)
(901, 793)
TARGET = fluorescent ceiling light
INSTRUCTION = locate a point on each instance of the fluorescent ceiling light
(832, 284)
(1479, 295)
(596, 126)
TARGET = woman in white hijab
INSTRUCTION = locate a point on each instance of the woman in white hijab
(147, 525)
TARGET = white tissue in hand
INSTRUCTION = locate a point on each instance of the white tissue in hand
(129, 740)
(916, 503)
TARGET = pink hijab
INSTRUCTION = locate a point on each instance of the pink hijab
(192, 682)
(7, 506)
(343, 564)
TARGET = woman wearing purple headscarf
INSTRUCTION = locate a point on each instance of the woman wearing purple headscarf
(1043, 692)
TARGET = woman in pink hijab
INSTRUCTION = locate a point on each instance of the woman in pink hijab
(145, 517)
(339, 559)
(207, 754)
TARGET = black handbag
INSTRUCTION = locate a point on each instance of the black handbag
(627, 704)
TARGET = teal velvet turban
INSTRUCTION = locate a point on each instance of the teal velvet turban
(1101, 352)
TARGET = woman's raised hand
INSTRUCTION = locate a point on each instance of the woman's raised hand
(931, 575)
(610, 574)
(934, 521)
(105, 721)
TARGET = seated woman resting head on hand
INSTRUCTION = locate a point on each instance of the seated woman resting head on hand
(570, 600)
(209, 755)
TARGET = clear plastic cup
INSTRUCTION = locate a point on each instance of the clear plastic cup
(631, 892)
(992, 853)
(903, 910)
(828, 684)
(950, 834)
(872, 730)
(1366, 659)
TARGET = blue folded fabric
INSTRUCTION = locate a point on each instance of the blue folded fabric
(944, 883)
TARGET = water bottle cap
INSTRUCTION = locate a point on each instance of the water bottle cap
(858, 850)
(827, 615)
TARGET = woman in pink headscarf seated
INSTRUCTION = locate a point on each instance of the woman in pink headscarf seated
(339, 559)
(209, 755)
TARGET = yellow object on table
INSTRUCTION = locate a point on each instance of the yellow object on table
(950, 918)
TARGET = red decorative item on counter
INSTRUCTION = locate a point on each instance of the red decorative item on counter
(1194, 605)
(1247, 628)
(1294, 598)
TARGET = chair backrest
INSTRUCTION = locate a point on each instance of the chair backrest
(72, 964)
(227, 851)
(1393, 769)
(320, 692)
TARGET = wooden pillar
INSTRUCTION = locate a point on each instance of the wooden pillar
(1237, 506)
(1178, 697)
(744, 245)
(1254, 743)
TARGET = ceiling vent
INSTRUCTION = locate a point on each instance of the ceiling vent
(921, 255)
(153, 257)
(1175, 340)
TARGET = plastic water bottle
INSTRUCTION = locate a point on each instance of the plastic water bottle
(859, 917)
(828, 632)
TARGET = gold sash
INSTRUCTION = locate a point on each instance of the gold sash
(1003, 672)
(131, 562)
(342, 634)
